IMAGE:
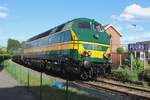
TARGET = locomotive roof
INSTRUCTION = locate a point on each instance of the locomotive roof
(50, 31)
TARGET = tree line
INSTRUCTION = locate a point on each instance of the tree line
(6, 52)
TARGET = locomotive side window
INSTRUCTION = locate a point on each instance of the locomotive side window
(67, 36)
(60, 37)
(55, 38)
(50, 40)
(84, 25)
(43, 42)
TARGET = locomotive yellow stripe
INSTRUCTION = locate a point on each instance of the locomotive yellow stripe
(61, 46)
(65, 46)
(76, 44)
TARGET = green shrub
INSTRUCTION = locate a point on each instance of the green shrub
(119, 74)
(4, 57)
(124, 75)
(138, 66)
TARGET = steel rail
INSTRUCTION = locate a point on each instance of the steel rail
(128, 90)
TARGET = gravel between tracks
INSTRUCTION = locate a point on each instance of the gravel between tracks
(10, 89)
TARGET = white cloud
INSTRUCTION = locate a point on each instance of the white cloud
(3, 8)
(3, 12)
(136, 38)
(133, 12)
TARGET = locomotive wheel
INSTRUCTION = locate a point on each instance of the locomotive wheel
(102, 71)
(88, 74)
(84, 75)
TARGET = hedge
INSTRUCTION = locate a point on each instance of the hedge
(124, 75)
(4, 57)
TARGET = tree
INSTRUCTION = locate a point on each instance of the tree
(11, 44)
(2, 50)
(120, 50)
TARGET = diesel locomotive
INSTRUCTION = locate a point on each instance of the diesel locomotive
(80, 47)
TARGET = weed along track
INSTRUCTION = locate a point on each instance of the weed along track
(132, 91)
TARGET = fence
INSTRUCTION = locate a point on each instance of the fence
(48, 87)
(126, 55)
(44, 86)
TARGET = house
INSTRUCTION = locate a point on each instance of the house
(115, 42)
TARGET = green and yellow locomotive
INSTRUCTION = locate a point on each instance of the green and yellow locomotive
(79, 46)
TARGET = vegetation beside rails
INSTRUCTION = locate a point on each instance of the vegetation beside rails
(139, 74)
(124, 75)
(20, 73)
(4, 57)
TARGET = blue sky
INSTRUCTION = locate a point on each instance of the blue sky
(22, 19)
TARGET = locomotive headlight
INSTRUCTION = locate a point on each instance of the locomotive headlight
(89, 53)
(86, 54)
(106, 55)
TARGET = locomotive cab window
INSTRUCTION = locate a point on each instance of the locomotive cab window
(98, 27)
(84, 25)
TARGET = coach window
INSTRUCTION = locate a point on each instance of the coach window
(67, 36)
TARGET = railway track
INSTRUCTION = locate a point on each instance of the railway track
(119, 88)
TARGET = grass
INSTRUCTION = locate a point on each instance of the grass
(20, 73)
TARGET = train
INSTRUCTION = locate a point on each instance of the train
(80, 47)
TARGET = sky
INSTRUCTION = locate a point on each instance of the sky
(22, 19)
